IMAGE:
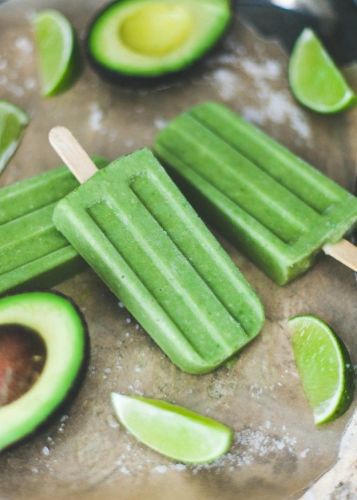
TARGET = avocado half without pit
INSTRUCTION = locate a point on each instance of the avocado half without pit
(149, 39)
(43, 350)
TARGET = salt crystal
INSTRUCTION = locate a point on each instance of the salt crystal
(160, 123)
(45, 451)
(179, 467)
(304, 453)
(226, 82)
(269, 69)
(95, 117)
(113, 424)
(30, 83)
(23, 44)
(160, 469)
(124, 470)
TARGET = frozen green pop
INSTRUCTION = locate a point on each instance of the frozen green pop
(32, 251)
(140, 235)
(277, 208)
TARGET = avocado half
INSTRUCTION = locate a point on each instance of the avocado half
(150, 39)
(61, 329)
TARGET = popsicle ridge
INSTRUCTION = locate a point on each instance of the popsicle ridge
(141, 236)
(168, 276)
(241, 191)
(32, 251)
(276, 207)
(208, 247)
(269, 155)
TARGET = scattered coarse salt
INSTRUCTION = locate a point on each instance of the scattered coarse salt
(3, 64)
(24, 44)
(30, 83)
(226, 83)
(124, 470)
(45, 451)
(113, 424)
(268, 69)
(160, 469)
(160, 123)
(95, 117)
(180, 467)
(277, 107)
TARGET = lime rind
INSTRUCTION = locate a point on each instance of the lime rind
(12, 122)
(53, 84)
(304, 76)
(171, 430)
(8, 107)
(330, 409)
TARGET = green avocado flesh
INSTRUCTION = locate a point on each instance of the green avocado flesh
(44, 366)
(144, 38)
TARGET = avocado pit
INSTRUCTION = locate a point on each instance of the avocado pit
(156, 29)
(22, 358)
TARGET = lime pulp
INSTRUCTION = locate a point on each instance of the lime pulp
(315, 80)
(56, 51)
(12, 122)
(324, 366)
(172, 430)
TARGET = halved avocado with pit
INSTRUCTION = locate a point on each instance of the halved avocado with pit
(148, 39)
(59, 347)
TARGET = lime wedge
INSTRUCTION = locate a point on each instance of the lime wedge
(12, 122)
(56, 51)
(172, 430)
(314, 78)
(324, 366)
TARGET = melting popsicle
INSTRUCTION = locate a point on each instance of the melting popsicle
(140, 235)
(277, 208)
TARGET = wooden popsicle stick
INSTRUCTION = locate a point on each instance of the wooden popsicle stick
(343, 251)
(72, 153)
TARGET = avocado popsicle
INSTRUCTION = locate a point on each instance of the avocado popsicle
(140, 235)
(32, 251)
(277, 208)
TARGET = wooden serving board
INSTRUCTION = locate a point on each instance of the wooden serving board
(278, 451)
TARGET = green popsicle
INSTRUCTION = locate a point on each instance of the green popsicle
(272, 204)
(136, 230)
(32, 252)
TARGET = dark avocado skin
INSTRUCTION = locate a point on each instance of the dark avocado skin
(73, 391)
(111, 76)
